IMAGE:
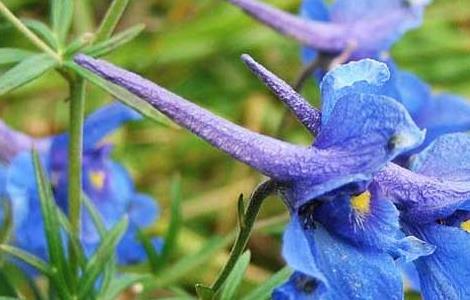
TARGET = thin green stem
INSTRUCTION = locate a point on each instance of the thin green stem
(77, 106)
(256, 200)
(28, 33)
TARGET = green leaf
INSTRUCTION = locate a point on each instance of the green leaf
(61, 13)
(25, 71)
(155, 259)
(120, 284)
(235, 278)
(241, 211)
(101, 257)
(115, 42)
(51, 227)
(176, 219)
(28, 258)
(6, 287)
(265, 290)
(204, 292)
(122, 95)
(5, 230)
(9, 298)
(42, 30)
(74, 240)
(13, 55)
(178, 270)
(110, 268)
(110, 20)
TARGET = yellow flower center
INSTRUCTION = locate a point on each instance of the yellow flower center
(97, 179)
(361, 203)
(465, 226)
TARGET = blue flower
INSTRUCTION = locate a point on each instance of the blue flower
(106, 183)
(339, 221)
(434, 201)
(369, 26)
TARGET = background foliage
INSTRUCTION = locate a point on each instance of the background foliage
(193, 48)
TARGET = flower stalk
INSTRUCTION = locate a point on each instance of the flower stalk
(261, 192)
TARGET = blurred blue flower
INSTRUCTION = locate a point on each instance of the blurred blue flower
(339, 221)
(435, 207)
(369, 27)
(106, 183)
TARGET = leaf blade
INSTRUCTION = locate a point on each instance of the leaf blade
(111, 19)
(25, 71)
(115, 42)
(61, 13)
(264, 290)
(235, 278)
(13, 55)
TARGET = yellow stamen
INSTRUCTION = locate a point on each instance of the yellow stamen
(361, 203)
(97, 179)
(465, 226)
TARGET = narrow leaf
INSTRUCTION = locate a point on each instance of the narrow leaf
(204, 292)
(178, 270)
(120, 284)
(241, 211)
(122, 95)
(110, 268)
(28, 258)
(74, 240)
(5, 230)
(235, 278)
(111, 19)
(264, 290)
(115, 42)
(176, 219)
(102, 255)
(42, 30)
(13, 55)
(155, 259)
(61, 12)
(6, 287)
(25, 71)
(51, 227)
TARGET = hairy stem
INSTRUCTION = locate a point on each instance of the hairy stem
(77, 104)
(256, 200)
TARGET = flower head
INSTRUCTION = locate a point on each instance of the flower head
(371, 26)
(338, 219)
(105, 182)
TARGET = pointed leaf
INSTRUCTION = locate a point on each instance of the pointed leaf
(101, 257)
(25, 71)
(42, 30)
(175, 221)
(111, 19)
(61, 14)
(122, 95)
(115, 42)
(204, 292)
(155, 259)
(264, 290)
(13, 55)
(6, 227)
(235, 278)
(74, 240)
(28, 258)
(122, 283)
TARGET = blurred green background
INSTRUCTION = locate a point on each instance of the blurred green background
(192, 47)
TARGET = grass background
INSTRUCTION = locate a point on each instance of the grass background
(192, 47)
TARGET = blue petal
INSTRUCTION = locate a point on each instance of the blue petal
(105, 120)
(344, 271)
(131, 251)
(445, 273)
(445, 158)
(366, 76)
(445, 113)
(143, 210)
(373, 225)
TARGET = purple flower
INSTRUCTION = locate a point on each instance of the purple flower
(105, 182)
(338, 219)
(371, 26)
(434, 200)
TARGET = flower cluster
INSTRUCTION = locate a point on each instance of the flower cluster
(106, 183)
(382, 188)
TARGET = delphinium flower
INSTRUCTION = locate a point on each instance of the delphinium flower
(370, 28)
(441, 219)
(344, 234)
(106, 183)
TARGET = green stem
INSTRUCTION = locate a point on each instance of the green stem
(256, 200)
(28, 33)
(77, 106)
